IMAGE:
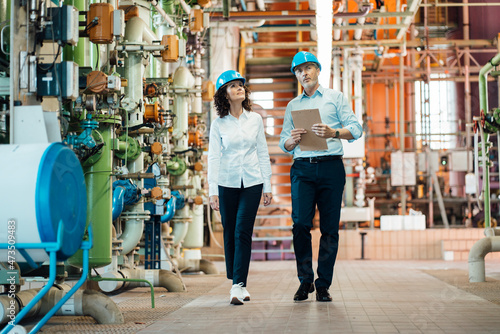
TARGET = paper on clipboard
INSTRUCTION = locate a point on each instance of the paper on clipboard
(305, 119)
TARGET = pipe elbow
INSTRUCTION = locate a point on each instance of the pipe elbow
(479, 250)
(170, 210)
(170, 281)
(118, 202)
(101, 308)
(208, 267)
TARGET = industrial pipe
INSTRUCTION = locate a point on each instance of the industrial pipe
(84, 302)
(476, 257)
(163, 14)
(158, 277)
(118, 196)
(170, 210)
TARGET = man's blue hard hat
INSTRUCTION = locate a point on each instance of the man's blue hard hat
(226, 77)
(304, 57)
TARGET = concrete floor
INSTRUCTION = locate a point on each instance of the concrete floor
(368, 297)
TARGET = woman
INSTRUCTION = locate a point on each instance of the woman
(239, 171)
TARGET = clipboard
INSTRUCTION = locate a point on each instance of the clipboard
(305, 119)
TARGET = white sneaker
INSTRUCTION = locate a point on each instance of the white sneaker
(237, 294)
(246, 294)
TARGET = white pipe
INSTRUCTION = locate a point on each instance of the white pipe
(83, 302)
(194, 235)
(491, 232)
(198, 265)
(357, 68)
(185, 6)
(337, 32)
(336, 70)
(180, 228)
(481, 248)
(137, 31)
(158, 277)
(359, 32)
(239, 24)
(346, 80)
(163, 14)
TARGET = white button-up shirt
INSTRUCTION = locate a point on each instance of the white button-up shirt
(238, 154)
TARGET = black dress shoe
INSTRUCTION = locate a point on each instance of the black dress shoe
(322, 294)
(303, 292)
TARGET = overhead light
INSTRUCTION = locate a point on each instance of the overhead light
(324, 18)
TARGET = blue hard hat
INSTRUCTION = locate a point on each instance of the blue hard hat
(226, 77)
(304, 57)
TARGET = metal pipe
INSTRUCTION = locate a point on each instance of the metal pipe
(163, 14)
(402, 122)
(118, 197)
(479, 250)
(139, 277)
(84, 302)
(170, 210)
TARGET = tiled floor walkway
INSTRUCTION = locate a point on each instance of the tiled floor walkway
(369, 297)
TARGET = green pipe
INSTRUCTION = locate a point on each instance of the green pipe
(99, 204)
(138, 280)
(483, 104)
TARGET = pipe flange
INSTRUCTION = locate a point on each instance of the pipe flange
(133, 150)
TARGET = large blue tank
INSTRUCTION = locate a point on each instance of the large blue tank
(42, 188)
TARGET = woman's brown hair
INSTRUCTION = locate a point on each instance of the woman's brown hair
(222, 103)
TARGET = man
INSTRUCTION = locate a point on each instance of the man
(317, 177)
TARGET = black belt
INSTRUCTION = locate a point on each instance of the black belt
(315, 160)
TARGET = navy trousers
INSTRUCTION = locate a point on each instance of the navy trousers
(238, 208)
(316, 184)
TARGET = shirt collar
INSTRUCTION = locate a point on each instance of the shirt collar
(320, 90)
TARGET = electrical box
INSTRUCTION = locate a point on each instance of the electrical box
(118, 23)
(171, 54)
(458, 161)
(100, 23)
(114, 82)
(196, 20)
(60, 80)
(62, 26)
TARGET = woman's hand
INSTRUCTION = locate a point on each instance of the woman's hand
(267, 198)
(214, 202)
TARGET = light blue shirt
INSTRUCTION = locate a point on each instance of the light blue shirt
(237, 152)
(335, 112)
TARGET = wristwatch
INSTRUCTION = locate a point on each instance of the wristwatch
(337, 134)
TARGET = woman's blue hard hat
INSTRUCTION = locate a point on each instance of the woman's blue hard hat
(228, 76)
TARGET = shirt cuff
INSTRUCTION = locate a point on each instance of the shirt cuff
(213, 190)
(267, 187)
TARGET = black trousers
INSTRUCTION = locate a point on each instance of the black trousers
(238, 208)
(316, 184)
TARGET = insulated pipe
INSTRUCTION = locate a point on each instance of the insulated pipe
(359, 32)
(476, 257)
(198, 265)
(337, 32)
(163, 14)
(83, 302)
(336, 69)
(137, 31)
(194, 235)
(158, 277)
(491, 232)
(283, 15)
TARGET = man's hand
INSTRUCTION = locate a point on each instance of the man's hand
(297, 135)
(267, 198)
(323, 130)
(214, 202)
